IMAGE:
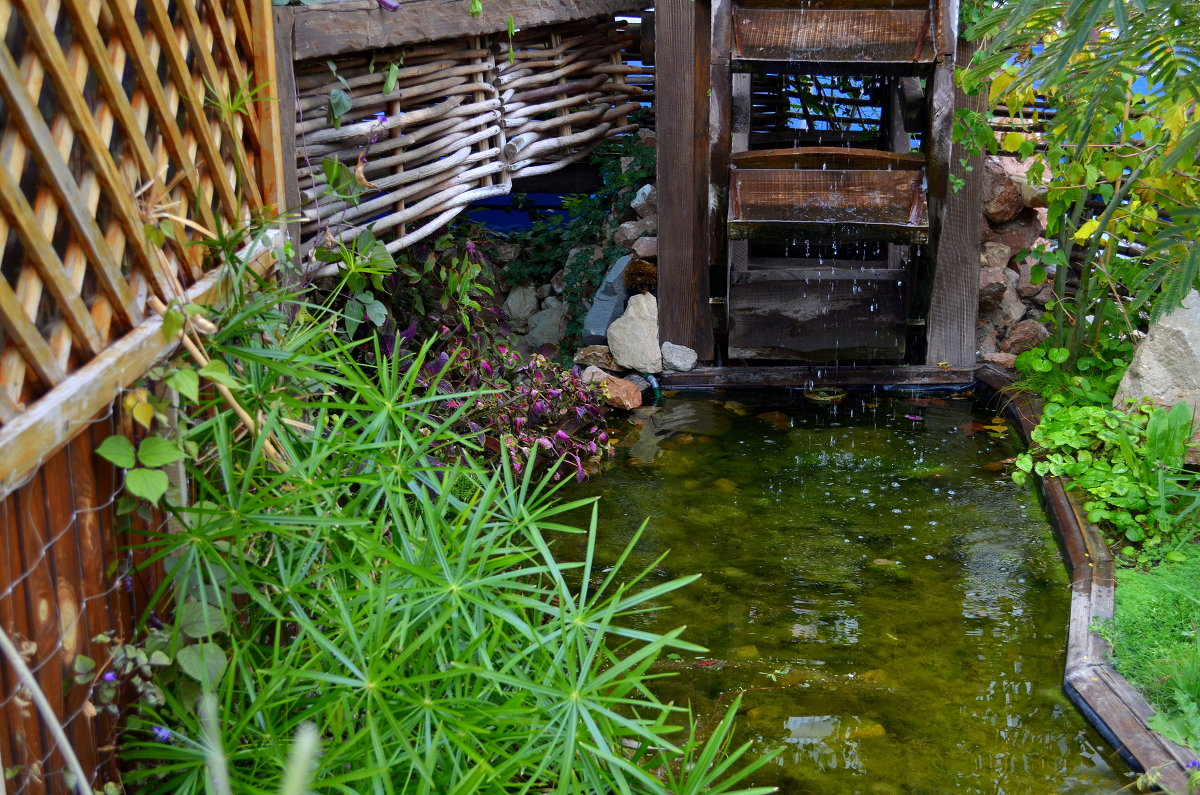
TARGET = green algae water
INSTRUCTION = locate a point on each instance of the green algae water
(892, 608)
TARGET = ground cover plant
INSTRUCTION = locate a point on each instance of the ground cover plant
(1156, 645)
(345, 560)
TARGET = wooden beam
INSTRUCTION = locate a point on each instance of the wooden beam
(681, 110)
(323, 31)
(950, 328)
(820, 375)
(285, 89)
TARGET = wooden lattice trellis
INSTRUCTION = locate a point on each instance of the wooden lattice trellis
(114, 119)
(461, 119)
(129, 130)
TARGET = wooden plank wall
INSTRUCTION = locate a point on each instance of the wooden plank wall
(63, 580)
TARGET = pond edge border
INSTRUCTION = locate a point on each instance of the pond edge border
(1105, 698)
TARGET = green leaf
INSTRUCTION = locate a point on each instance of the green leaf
(118, 450)
(1037, 274)
(149, 484)
(1012, 142)
(204, 662)
(172, 324)
(393, 74)
(217, 372)
(200, 619)
(186, 382)
(155, 451)
(476, 8)
(340, 103)
(1058, 355)
(377, 312)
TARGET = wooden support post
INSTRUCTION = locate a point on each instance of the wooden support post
(681, 97)
(720, 113)
(285, 89)
(951, 323)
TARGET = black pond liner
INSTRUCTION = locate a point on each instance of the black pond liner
(1109, 703)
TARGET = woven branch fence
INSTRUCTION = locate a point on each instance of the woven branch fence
(460, 120)
(129, 131)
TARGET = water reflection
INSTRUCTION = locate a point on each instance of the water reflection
(890, 605)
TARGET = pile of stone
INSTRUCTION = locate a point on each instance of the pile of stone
(1010, 304)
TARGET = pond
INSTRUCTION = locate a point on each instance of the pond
(892, 606)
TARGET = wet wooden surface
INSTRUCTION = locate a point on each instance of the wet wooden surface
(782, 377)
(826, 157)
(901, 38)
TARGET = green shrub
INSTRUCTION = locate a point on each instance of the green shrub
(333, 568)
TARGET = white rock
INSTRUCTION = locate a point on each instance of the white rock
(552, 302)
(633, 337)
(678, 357)
(522, 302)
(1166, 365)
(645, 201)
(646, 247)
(592, 373)
(630, 231)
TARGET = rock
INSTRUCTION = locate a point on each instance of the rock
(996, 255)
(546, 327)
(1001, 196)
(647, 137)
(776, 419)
(1033, 194)
(596, 356)
(987, 340)
(558, 282)
(746, 652)
(1012, 308)
(992, 286)
(552, 302)
(1020, 233)
(633, 337)
(639, 382)
(625, 163)
(607, 305)
(522, 302)
(1023, 336)
(1004, 360)
(1166, 366)
(678, 357)
(544, 291)
(591, 374)
(621, 394)
(628, 232)
(646, 247)
(1044, 295)
(645, 201)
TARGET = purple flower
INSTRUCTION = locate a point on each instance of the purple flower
(162, 734)
(562, 436)
(109, 676)
(389, 5)
(914, 418)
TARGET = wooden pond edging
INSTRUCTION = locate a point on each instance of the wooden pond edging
(1105, 698)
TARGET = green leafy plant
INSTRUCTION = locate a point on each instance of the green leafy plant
(373, 579)
(1130, 465)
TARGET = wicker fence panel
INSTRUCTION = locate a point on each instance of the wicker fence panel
(128, 130)
(460, 120)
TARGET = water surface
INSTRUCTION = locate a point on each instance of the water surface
(892, 607)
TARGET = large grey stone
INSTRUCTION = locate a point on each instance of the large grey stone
(1166, 366)
(522, 302)
(607, 305)
(633, 337)
(678, 357)
(546, 327)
